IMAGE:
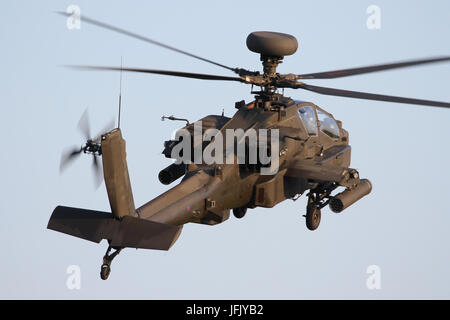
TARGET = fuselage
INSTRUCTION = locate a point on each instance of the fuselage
(209, 190)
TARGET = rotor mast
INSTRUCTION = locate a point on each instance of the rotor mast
(272, 46)
(270, 65)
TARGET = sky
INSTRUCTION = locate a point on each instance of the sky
(401, 230)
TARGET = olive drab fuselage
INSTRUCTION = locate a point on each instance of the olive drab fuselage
(208, 192)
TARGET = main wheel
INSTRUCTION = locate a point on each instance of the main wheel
(239, 212)
(312, 216)
(105, 271)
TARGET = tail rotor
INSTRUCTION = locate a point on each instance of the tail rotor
(92, 146)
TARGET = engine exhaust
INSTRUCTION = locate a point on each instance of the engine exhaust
(171, 173)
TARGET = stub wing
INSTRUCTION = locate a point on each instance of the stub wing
(128, 232)
(319, 172)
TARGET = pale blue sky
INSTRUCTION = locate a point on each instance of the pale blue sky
(402, 226)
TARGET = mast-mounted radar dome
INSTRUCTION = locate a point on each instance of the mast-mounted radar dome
(272, 44)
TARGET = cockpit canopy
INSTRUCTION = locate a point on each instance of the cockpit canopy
(314, 119)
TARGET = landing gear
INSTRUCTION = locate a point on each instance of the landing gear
(107, 260)
(313, 216)
(239, 212)
(318, 198)
(105, 271)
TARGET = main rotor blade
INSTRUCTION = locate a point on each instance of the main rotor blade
(371, 96)
(145, 39)
(201, 76)
(369, 69)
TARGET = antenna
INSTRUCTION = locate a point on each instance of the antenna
(120, 93)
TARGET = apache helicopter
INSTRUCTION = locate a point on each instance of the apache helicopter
(314, 157)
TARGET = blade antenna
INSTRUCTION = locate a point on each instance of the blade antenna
(120, 93)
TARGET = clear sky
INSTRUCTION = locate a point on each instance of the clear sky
(402, 226)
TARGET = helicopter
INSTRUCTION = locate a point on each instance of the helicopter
(288, 148)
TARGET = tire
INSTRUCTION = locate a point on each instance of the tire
(313, 216)
(239, 212)
(105, 271)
